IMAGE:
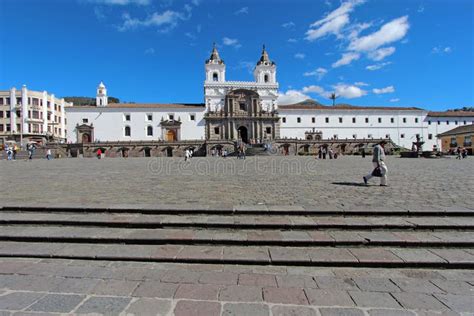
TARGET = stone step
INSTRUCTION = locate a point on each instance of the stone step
(259, 210)
(254, 255)
(133, 236)
(238, 221)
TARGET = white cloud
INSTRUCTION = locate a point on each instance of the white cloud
(346, 59)
(99, 14)
(196, 2)
(150, 51)
(381, 53)
(300, 56)
(231, 42)
(122, 2)
(441, 50)
(361, 84)
(388, 33)
(291, 97)
(394, 100)
(288, 25)
(334, 22)
(319, 73)
(292, 40)
(166, 21)
(421, 9)
(389, 89)
(316, 89)
(349, 91)
(247, 65)
(377, 66)
(354, 30)
(244, 10)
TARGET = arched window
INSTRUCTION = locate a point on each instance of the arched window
(215, 77)
(265, 78)
(127, 131)
(149, 131)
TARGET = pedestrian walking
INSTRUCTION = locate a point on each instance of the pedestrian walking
(187, 155)
(15, 151)
(9, 152)
(99, 153)
(378, 161)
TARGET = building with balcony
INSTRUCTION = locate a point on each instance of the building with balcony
(27, 115)
(459, 137)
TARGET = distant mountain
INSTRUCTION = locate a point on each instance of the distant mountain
(88, 101)
(309, 102)
(465, 108)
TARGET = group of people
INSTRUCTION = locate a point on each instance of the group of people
(219, 152)
(325, 153)
(12, 150)
(461, 153)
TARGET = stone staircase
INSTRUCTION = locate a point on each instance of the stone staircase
(402, 239)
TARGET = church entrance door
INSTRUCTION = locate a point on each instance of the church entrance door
(170, 135)
(243, 134)
(86, 138)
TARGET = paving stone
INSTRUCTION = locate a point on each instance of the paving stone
(454, 255)
(33, 283)
(224, 278)
(169, 252)
(241, 309)
(293, 235)
(376, 284)
(264, 236)
(454, 287)
(373, 299)
(57, 303)
(237, 293)
(287, 295)
(321, 236)
(318, 297)
(281, 310)
(327, 282)
(181, 276)
(298, 281)
(419, 301)
(331, 255)
(18, 300)
(375, 255)
(458, 303)
(255, 279)
(197, 292)
(104, 305)
(417, 255)
(194, 253)
(149, 306)
(341, 312)
(80, 286)
(155, 289)
(246, 254)
(197, 308)
(416, 285)
(390, 312)
(114, 287)
(288, 255)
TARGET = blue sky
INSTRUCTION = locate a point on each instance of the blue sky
(372, 52)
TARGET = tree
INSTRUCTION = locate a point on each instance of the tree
(333, 97)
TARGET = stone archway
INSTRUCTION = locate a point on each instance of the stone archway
(86, 138)
(243, 134)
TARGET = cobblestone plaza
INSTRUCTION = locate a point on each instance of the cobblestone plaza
(226, 183)
(268, 235)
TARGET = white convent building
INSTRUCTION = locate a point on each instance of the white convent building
(248, 111)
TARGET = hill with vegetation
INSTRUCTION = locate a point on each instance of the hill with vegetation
(88, 101)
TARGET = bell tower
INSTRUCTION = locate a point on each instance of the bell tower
(265, 70)
(101, 96)
(215, 67)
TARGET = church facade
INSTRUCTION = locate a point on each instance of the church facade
(235, 111)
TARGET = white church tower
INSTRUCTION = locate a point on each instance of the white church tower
(101, 96)
(265, 71)
(215, 67)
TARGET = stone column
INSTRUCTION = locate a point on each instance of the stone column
(13, 110)
(24, 108)
(53, 114)
(45, 112)
(63, 120)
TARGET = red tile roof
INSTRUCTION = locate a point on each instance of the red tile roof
(451, 114)
(300, 106)
(147, 105)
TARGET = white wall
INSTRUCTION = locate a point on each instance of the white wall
(402, 133)
(438, 125)
(109, 123)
